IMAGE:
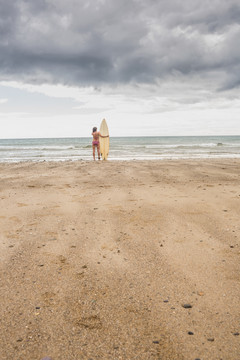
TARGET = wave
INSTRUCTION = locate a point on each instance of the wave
(184, 146)
(38, 148)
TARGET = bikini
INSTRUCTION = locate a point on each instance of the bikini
(95, 142)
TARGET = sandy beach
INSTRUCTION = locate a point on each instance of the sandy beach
(120, 260)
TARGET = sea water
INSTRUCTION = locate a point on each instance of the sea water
(121, 148)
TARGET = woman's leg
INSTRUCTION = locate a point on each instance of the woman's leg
(98, 150)
(93, 152)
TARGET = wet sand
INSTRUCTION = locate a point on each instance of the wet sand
(120, 260)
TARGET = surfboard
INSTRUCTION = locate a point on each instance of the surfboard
(104, 142)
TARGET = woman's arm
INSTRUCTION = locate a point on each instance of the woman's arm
(103, 136)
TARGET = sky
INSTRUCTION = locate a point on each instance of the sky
(149, 67)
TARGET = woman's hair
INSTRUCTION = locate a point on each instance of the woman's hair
(94, 129)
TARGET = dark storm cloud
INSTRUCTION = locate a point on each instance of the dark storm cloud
(120, 41)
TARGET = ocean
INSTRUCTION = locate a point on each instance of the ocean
(121, 148)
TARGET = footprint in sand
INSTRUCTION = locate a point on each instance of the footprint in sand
(90, 322)
(51, 233)
(79, 275)
(48, 298)
(32, 224)
(21, 204)
(11, 235)
(15, 219)
(62, 259)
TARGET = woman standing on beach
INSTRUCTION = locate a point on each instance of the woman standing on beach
(96, 142)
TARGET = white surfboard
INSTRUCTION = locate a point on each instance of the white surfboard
(104, 142)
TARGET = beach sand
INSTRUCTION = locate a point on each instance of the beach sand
(99, 259)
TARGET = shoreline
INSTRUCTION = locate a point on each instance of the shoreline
(99, 259)
(109, 160)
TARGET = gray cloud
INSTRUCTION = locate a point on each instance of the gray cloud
(99, 42)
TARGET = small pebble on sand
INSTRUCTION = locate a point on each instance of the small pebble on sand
(187, 306)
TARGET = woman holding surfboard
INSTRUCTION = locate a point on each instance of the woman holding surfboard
(96, 134)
